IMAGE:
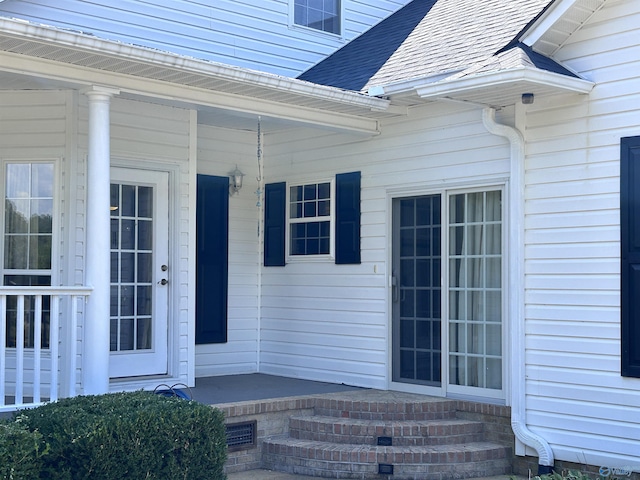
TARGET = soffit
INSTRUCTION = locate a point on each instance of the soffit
(30, 41)
(554, 28)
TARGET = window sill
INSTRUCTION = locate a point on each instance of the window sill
(310, 259)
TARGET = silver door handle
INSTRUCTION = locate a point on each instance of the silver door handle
(394, 289)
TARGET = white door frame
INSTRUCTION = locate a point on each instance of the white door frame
(153, 361)
(446, 390)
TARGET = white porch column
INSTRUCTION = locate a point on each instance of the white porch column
(95, 358)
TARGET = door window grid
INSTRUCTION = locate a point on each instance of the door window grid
(131, 267)
(322, 15)
(475, 289)
(28, 239)
(310, 221)
(419, 290)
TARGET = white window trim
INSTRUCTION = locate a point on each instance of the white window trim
(314, 31)
(56, 233)
(332, 217)
(55, 222)
(462, 391)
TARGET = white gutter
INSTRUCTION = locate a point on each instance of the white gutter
(52, 36)
(533, 76)
(516, 295)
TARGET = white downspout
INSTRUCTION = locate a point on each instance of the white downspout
(516, 278)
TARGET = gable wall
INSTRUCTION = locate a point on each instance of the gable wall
(331, 322)
(576, 397)
(247, 33)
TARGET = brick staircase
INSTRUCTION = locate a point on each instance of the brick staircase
(395, 435)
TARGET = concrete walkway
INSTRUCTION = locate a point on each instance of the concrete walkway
(265, 475)
(271, 475)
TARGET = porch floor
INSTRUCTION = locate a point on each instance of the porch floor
(258, 386)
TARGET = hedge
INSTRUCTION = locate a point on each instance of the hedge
(123, 435)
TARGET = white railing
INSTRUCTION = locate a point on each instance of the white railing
(33, 374)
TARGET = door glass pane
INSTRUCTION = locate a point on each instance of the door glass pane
(417, 347)
(475, 295)
(132, 255)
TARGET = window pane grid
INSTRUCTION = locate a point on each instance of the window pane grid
(419, 350)
(310, 219)
(475, 289)
(321, 15)
(131, 267)
(28, 234)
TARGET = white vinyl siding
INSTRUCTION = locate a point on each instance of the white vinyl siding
(246, 33)
(576, 397)
(331, 323)
(219, 151)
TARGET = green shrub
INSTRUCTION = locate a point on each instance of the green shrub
(130, 435)
(20, 451)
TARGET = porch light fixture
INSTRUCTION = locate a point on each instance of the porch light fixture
(235, 181)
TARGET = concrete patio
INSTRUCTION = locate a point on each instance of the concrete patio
(258, 386)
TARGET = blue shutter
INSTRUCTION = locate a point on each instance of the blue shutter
(630, 255)
(275, 197)
(348, 218)
(212, 251)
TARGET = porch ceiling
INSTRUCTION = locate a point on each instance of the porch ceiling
(35, 56)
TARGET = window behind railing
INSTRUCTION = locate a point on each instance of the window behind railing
(28, 191)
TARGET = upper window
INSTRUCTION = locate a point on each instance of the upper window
(323, 15)
(310, 219)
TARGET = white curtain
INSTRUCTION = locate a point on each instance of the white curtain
(475, 298)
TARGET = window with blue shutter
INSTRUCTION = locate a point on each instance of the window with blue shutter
(630, 255)
(348, 218)
(307, 217)
(275, 204)
(212, 251)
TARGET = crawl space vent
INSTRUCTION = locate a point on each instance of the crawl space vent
(241, 435)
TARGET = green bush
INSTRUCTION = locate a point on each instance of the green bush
(129, 435)
(20, 451)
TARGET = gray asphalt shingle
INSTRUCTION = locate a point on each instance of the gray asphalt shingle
(434, 37)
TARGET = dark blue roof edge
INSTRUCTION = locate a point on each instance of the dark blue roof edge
(543, 62)
(525, 29)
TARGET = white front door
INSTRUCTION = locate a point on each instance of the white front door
(139, 272)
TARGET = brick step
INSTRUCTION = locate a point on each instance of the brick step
(436, 462)
(402, 433)
(389, 406)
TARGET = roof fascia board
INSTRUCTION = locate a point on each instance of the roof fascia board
(554, 13)
(497, 79)
(83, 77)
(78, 41)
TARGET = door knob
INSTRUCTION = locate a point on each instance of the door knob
(164, 281)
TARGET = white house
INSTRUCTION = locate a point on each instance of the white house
(443, 202)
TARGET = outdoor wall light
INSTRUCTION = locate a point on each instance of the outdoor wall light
(527, 98)
(235, 181)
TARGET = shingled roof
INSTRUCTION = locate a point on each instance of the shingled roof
(438, 39)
